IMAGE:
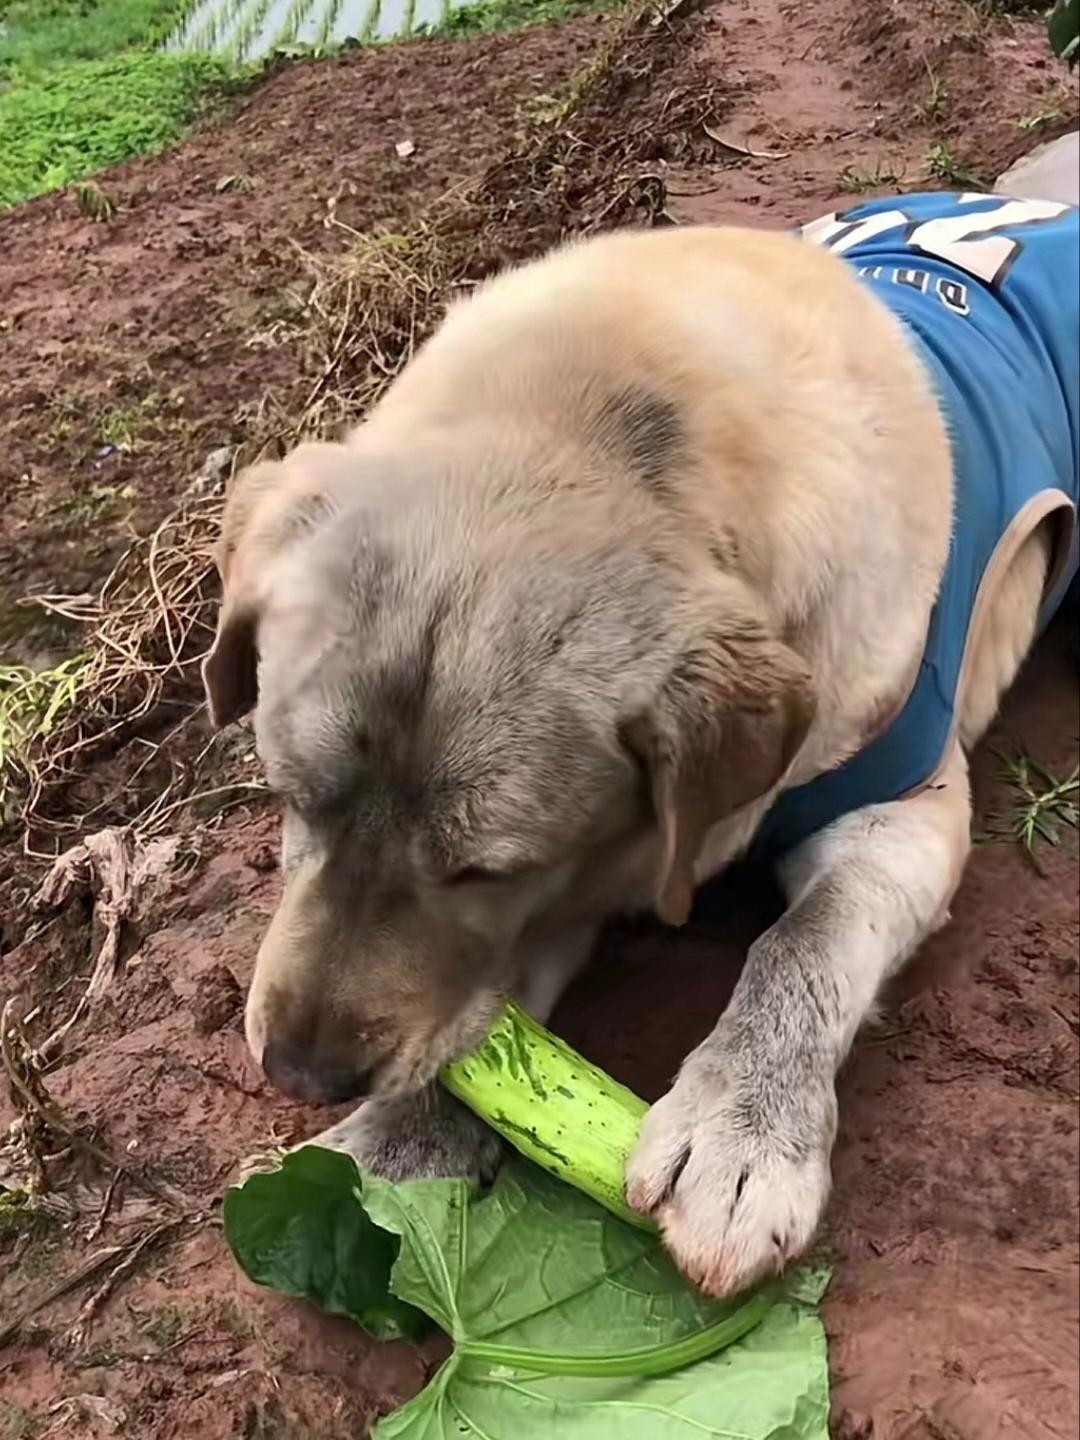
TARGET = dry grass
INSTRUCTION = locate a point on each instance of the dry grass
(145, 628)
(577, 170)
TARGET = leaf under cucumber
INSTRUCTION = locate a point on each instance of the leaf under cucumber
(563, 1318)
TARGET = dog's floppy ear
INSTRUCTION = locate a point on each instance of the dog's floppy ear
(729, 719)
(269, 504)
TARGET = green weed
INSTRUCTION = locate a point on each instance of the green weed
(227, 183)
(937, 93)
(163, 1325)
(19, 1215)
(942, 164)
(1038, 118)
(32, 702)
(92, 504)
(231, 1319)
(854, 180)
(120, 424)
(1045, 804)
(93, 201)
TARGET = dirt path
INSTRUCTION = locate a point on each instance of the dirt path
(860, 99)
(953, 1229)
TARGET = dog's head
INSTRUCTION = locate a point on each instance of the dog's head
(477, 704)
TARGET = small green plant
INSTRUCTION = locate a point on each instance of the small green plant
(1038, 118)
(93, 201)
(942, 164)
(937, 93)
(18, 1214)
(227, 183)
(163, 1325)
(31, 704)
(120, 424)
(229, 1318)
(855, 180)
(18, 1423)
(1045, 804)
(91, 505)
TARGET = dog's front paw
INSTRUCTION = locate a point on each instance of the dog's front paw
(429, 1136)
(734, 1169)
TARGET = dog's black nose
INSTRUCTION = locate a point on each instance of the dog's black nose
(296, 1075)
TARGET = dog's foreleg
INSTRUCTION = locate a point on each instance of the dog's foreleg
(734, 1160)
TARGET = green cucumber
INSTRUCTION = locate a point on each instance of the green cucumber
(554, 1106)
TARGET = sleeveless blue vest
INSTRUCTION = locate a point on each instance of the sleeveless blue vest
(989, 290)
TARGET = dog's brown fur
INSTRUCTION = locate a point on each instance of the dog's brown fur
(649, 531)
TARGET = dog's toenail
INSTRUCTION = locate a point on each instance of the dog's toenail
(676, 1173)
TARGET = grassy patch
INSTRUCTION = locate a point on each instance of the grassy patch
(1038, 118)
(18, 1423)
(83, 86)
(164, 1325)
(66, 122)
(18, 1216)
(1045, 805)
(39, 34)
(32, 704)
(942, 164)
(937, 93)
(859, 180)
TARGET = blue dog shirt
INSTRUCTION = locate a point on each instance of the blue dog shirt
(989, 289)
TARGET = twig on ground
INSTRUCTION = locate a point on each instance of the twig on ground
(102, 1215)
(126, 1263)
(30, 1094)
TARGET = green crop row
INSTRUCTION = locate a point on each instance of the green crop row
(84, 86)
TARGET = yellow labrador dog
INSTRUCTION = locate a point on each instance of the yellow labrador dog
(663, 547)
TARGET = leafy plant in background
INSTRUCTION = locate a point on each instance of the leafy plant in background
(1064, 26)
(564, 1319)
(84, 86)
(74, 119)
(39, 34)
(31, 703)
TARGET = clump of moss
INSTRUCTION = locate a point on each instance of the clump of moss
(20, 1216)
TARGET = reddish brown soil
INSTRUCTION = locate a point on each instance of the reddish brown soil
(953, 1228)
(857, 99)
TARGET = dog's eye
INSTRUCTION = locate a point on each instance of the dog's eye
(476, 875)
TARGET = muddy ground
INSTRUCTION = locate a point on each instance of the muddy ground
(128, 351)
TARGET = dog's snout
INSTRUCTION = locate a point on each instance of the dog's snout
(301, 1078)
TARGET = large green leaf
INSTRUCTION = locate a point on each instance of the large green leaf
(771, 1385)
(1064, 26)
(535, 1268)
(301, 1229)
(564, 1318)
